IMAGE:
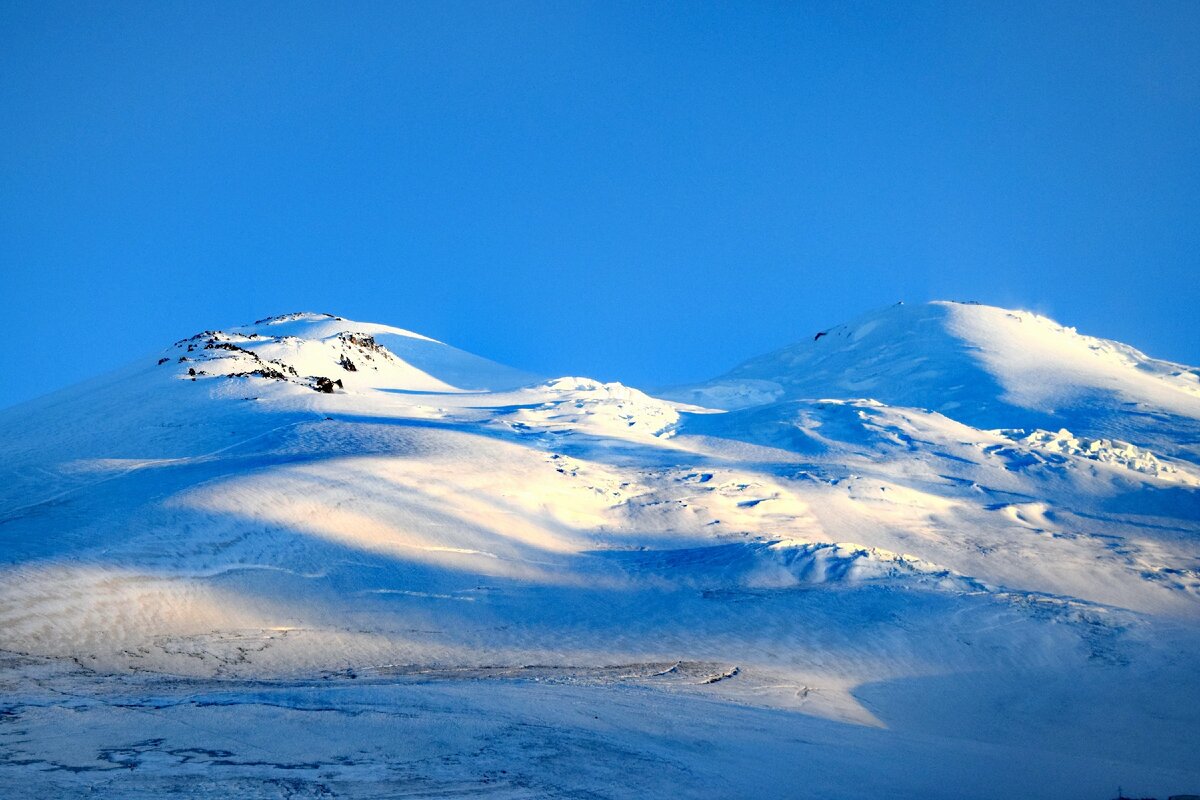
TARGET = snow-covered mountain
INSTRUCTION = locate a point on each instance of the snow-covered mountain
(887, 560)
(984, 366)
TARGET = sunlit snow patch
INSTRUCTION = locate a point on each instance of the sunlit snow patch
(1105, 451)
(590, 406)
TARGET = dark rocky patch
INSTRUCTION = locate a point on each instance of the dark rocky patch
(215, 345)
(261, 372)
(366, 344)
(288, 317)
(197, 337)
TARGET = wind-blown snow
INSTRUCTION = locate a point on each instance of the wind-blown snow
(890, 560)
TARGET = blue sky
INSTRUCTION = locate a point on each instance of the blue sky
(644, 192)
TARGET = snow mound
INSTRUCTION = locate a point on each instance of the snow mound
(593, 407)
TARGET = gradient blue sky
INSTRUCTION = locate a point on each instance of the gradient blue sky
(648, 192)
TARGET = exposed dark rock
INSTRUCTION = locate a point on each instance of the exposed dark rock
(215, 345)
(323, 384)
(261, 372)
(288, 317)
(162, 361)
(198, 337)
(366, 344)
(348, 365)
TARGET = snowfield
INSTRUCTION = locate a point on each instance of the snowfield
(944, 551)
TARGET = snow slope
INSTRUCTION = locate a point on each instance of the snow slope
(985, 366)
(891, 560)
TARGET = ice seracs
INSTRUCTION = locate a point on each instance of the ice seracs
(1105, 451)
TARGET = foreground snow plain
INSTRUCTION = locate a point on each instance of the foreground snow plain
(946, 550)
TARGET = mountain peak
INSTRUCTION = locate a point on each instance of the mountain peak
(327, 353)
(986, 366)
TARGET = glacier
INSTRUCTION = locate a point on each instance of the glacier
(945, 550)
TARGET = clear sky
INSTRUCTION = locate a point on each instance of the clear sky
(647, 192)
